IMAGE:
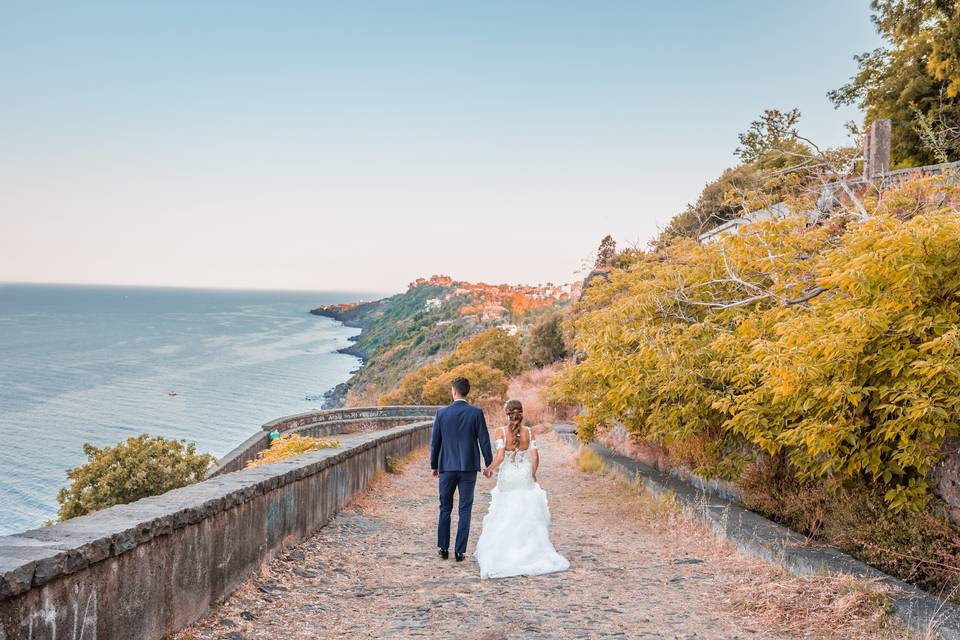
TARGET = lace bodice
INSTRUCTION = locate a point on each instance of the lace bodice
(516, 471)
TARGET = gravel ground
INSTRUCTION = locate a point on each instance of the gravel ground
(638, 570)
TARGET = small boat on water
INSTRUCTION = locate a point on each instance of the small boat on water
(171, 393)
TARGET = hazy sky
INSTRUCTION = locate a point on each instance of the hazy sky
(358, 145)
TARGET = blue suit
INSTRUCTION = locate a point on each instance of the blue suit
(459, 438)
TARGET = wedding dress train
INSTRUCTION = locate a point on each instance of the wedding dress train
(515, 539)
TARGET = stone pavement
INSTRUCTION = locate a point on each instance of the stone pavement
(638, 570)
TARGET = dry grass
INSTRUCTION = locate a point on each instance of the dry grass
(527, 387)
(394, 465)
(291, 446)
(820, 606)
(397, 465)
(590, 462)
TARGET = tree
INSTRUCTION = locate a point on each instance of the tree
(772, 133)
(917, 73)
(140, 467)
(606, 253)
(494, 347)
(779, 166)
(485, 383)
(410, 388)
(544, 343)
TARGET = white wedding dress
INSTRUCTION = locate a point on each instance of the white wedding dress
(515, 540)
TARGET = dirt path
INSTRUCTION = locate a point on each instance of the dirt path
(638, 570)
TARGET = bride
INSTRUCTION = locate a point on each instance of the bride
(516, 539)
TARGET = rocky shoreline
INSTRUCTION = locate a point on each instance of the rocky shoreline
(346, 314)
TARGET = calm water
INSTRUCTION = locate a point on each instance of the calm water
(95, 364)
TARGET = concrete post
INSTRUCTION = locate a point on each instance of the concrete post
(876, 149)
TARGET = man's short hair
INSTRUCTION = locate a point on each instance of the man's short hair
(461, 385)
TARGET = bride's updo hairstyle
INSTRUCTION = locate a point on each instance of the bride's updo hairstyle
(514, 409)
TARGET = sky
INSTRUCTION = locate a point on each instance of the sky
(358, 145)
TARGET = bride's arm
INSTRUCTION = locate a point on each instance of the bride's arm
(534, 455)
(497, 459)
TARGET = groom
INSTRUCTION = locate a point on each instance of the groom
(458, 429)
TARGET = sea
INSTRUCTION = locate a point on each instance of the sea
(100, 364)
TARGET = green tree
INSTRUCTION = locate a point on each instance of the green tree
(772, 133)
(917, 73)
(544, 343)
(140, 467)
(606, 253)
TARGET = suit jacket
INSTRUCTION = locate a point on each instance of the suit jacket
(458, 429)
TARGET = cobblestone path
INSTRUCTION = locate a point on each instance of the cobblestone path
(373, 572)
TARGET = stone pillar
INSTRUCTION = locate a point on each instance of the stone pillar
(876, 149)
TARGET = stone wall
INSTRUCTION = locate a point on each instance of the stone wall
(319, 424)
(142, 571)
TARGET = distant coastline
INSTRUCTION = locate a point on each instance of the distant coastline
(347, 315)
(402, 332)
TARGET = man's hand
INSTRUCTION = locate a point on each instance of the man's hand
(436, 473)
(487, 473)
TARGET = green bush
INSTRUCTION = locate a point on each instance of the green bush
(140, 467)
(544, 344)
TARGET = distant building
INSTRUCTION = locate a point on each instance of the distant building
(511, 329)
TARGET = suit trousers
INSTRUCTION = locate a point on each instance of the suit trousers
(464, 482)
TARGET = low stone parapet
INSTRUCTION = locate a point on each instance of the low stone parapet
(319, 424)
(142, 571)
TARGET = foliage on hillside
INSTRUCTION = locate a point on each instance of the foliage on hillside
(407, 331)
(487, 360)
(290, 446)
(914, 81)
(140, 467)
(836, 345)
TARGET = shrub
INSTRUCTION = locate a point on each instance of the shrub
(410, 388)
(394, 465)
(544, 343)
(291, 446)
(494, 347)
(140, 467)
(836, 346)
(485, 383)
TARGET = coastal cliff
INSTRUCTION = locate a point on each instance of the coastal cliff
(427, 321)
